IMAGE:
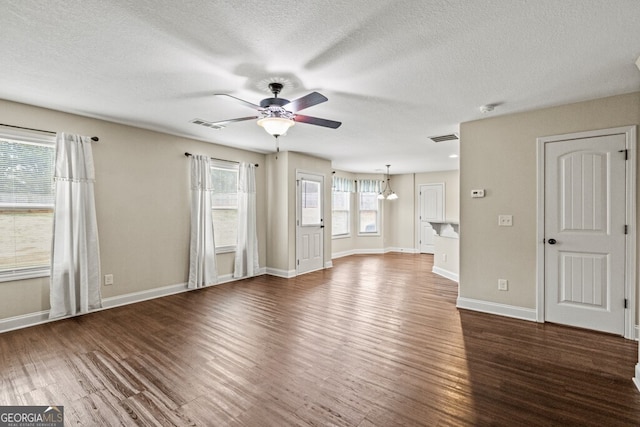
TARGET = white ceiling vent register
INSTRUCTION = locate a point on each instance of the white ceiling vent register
(442, 138)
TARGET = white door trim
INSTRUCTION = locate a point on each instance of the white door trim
(630, 241)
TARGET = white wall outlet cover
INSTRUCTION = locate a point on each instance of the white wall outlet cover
(477, 193)
(505, 220)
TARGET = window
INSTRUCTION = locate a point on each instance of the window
(224, 204)
(341, 213)
(26, 204)
(368, 208)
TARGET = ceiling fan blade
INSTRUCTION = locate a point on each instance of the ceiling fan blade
(221, 124)
(240, 119)
(314, 98)
(317, 121)
(247, 103)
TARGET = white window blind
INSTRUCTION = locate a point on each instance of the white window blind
(369, 215)
(340, 213)
(26, 204)
(224, 204)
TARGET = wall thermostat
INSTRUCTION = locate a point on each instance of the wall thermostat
(477, 193)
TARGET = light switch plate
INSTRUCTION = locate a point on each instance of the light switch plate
(477, 193)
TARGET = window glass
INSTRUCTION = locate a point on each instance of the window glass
(26, 206)
(368, 208)
(224, 204)
(311, 203)
(340, 214)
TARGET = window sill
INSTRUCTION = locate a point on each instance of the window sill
(25, 274)
(369, 234)
(340, 236)
(225, 250)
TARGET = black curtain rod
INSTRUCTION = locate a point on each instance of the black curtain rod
(93, 138)
(222, 160)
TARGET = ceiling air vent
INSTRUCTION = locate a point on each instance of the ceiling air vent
(206, 124)
(442, 138)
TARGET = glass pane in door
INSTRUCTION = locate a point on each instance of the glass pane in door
(311, 203)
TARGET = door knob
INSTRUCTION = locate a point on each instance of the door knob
(552, 241)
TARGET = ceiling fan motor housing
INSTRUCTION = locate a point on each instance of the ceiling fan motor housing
(273, 101)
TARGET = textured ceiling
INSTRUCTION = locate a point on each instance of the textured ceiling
(395, 72)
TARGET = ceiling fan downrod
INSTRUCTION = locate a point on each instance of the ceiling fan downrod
(275, 88)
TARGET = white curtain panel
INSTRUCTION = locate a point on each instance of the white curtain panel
(202, 255)
(75, 255)
(246, 261)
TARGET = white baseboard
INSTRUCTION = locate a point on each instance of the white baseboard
(636, 379)
(445, 273)
(402, 250)
(24, 320)
(342, 254)
(145, 295)
(287, 274)
(497, 308)
(328, 264)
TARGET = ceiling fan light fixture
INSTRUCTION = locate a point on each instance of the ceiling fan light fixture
(276, 126)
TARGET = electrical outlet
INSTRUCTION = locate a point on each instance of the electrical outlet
(108, 279)
(505, 220)
(503, 285)
(444, 257)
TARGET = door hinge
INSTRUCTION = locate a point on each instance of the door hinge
(626, 153)
(626, 303)
(298, 262)
(626, 229)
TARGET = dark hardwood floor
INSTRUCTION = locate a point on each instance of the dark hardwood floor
(374, 341)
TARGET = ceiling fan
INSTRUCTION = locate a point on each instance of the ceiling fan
(277, 115)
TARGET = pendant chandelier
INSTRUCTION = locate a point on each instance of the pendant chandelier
(387, 192)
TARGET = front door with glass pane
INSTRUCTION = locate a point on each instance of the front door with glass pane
(309, 223)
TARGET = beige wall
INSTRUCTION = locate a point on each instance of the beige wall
(142, 202)
(278, 211)
(400, 215)
(499, 155)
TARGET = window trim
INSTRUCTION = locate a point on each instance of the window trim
(229, 166)
(378, 232)
(31, 138)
